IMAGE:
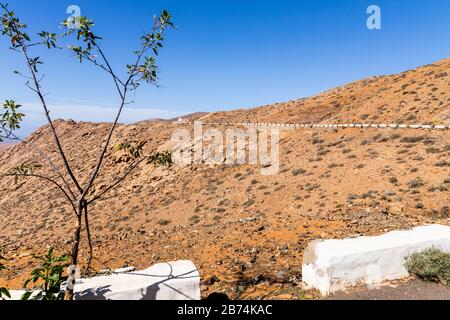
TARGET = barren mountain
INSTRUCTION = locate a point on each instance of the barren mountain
(247, 232)
(3, 147)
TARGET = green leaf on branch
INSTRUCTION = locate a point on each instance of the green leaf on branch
(25, 169)
(48, 276)
(48, 39)
(10, 118)
(130, 150)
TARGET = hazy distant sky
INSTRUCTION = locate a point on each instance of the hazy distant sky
(227, 54)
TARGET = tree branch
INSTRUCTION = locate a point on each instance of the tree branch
(44, 105)
(117, 182)
(54, 167)
(47, 179)
(103, 153)
(87, 57)
(110, 70)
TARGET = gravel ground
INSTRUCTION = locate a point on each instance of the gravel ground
(411, 290)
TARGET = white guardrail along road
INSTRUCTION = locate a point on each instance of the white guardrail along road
(327, 126)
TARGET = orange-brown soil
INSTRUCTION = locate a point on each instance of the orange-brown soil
(4, 147)
(246, 232)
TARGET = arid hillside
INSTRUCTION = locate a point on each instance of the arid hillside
(419, 95)
(247, 232)
(3, 147)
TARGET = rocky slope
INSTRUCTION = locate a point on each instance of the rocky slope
(246, 232)
(3, 147)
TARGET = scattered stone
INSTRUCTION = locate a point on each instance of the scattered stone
(125, 270)
(210, 281)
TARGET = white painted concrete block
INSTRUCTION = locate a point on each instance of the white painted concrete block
(166, 281)
(178, 280)
(334, 265)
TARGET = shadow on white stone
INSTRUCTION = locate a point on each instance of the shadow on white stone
(178, 280)
(166, 281)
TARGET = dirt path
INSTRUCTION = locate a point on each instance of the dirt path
(412, 290)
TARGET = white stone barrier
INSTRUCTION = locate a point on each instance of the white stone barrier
(333, 126)
(178, 280)
(334, 265)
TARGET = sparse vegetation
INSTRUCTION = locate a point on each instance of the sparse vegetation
(443, 163)
(432, 264)
(412, 139)
(298, 171)
(393, 180)
(249, 202)
(161, 159)
(415, 183)
(164, 222)
(194, 219)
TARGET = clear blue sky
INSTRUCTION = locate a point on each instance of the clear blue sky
(228, 54)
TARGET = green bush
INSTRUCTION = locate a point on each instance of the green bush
(164, 222)
(49, 277)
(431, 265)
(161, 159)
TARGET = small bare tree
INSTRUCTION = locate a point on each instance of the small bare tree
(86, 48)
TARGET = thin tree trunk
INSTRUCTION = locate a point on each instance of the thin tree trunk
(76, 244)
(88, 235)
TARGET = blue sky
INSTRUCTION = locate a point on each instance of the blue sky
(226, 54)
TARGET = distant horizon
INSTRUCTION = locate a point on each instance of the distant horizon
(227, 55)
(26, 133)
